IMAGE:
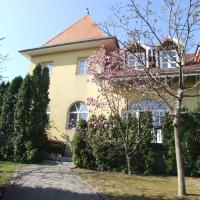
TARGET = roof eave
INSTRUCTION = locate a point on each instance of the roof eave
(75, 45)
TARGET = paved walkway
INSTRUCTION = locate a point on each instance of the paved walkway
(48, 182)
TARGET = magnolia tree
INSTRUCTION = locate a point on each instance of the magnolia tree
(145, 27)
(115, 86)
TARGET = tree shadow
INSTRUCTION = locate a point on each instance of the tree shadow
(2, 190)
(41, 192)
(27, 170)
(18, 192)
(192, 194)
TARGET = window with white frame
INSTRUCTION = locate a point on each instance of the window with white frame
(136, 60)
(78, 111)
(157, 117)
(168, 59)
(49, 66)
(157, 110)
(82, 67)
(159, 136)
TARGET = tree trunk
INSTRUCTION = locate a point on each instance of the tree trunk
(179, 155)
(128, 159)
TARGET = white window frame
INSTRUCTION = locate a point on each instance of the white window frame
(49, 65)
(159, 136)
(169, 61)
(133, 61)
(78, 112)
(82, 72)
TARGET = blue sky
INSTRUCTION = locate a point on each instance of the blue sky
(30, 23)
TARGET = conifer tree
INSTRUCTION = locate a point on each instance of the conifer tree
(22, 122)
(39, 119)
(7, 117)
(3, 88)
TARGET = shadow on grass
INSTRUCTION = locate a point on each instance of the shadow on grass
(194, 195)
(132, 197)
(17, 192)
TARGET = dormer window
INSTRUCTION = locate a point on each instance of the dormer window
(82, 67)
(168, 59)
(136, 60)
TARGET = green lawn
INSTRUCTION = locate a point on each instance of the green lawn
(117, 186)
(6, 171)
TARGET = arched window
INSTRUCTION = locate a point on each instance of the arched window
(78, 111)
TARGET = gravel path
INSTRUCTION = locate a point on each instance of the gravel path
(48, 182)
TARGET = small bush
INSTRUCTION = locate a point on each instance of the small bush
(78, 144)
(197, 167)
(82, 153)
(169, 148)
(190, 141)
(98, 145)
(109, 156)
(150, 162)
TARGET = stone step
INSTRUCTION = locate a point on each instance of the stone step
(60, 158)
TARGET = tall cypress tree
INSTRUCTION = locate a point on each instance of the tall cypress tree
(7, 117)
(39, 119)
(3, 88)
(22, 122)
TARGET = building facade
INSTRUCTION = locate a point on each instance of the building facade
(65, 55)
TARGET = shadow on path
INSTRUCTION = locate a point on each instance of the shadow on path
(17, 192)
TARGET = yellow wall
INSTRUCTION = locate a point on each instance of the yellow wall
(66, 87)
(188, 102)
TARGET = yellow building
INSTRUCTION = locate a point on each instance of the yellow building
(65, 55)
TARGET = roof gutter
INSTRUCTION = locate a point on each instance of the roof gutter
(70, 43)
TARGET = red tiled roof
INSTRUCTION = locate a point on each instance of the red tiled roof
(84, 29)
(198, 54)
(190, 58)
(192, 67)
(187, 69)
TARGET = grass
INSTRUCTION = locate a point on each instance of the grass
(117, 186)
(6, 171)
